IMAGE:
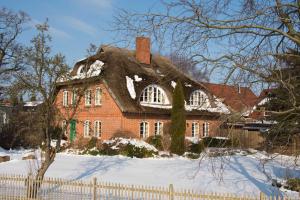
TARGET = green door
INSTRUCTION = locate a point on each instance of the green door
(72, 130)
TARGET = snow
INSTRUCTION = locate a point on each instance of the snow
(130, 87)
(187, 85)
(173, 84)
(62, 143)
(134, 142)
(162, 106)
(32, 103)
(194, 140)
(263, 101)
(219, 106)
(241, 174)
(95, 69)
(137, 78)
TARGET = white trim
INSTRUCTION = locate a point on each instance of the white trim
(158, 128)
(88, 97)
(86, 128)
(65, 98)
(97, 128)
(195, 129)
(98, 96)
(205, 129)
(154, 94)
(198, 98)
(144, 129)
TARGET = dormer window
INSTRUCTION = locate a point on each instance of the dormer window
(198, 98)
(153, 94)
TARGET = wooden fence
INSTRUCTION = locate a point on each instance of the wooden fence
(19, 187)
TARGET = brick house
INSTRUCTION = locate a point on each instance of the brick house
(129, 93)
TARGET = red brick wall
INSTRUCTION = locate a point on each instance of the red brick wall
(114, 122)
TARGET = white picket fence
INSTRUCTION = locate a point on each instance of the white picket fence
(20, 187)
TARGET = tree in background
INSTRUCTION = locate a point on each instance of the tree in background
(280, 101)
(11, 51)
(188, 66)
(178, 121)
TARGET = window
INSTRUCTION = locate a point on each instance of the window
(88, 97)
(144, 129)
(74, 98)
(198, 98)
(86, 128)
(153, 94)
(158, 128)
(65, 98)
(64, 127)
(98, 96)
(97, 129)
(195, 129)
(205, 129)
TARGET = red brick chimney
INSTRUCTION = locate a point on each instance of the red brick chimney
(142, 53)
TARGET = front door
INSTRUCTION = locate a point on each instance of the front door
(72, 130)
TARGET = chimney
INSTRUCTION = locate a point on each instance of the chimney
(142, 53)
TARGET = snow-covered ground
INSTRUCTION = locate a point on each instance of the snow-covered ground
(239, 174)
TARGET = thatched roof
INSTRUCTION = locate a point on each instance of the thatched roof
(119, 63)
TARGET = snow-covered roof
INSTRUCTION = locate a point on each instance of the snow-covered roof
(32, 103)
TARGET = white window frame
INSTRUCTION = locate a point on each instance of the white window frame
(198, 98)
(153, 94)
(205, 129)
(64, 127)
(86, 128)
(97, 128)
(98, 96)
(74, 97)
(88, 97)
(195, 129)
(158, 128)
(65, 98)
(144, 129)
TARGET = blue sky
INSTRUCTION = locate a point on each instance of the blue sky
(74, 24)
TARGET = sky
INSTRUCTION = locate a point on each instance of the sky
(75, 24)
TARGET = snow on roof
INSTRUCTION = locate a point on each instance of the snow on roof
(32, 103)
(219, 107)
(173, 84)
(137, 78)
(130, 87)
(94, 70)
(187, 85)
(263, 101)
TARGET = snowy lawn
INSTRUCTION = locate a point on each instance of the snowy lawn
(241, 174)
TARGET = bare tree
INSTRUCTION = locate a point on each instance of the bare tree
(188, 66)
(11, 27)
(42, 70)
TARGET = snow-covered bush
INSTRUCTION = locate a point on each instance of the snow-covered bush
(128, 147)
(156, 141)
(293, 184)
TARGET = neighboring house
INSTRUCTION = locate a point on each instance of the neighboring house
(129, 93)
(238, 99)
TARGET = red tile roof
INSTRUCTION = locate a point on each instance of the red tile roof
(238, 101)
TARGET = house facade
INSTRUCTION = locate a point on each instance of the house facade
(118, 92)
